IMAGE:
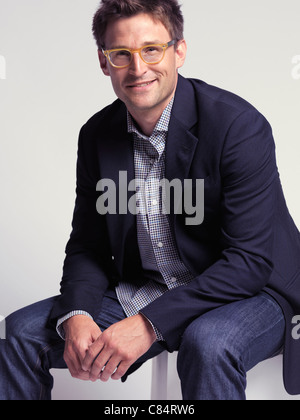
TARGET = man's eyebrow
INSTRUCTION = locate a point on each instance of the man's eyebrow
(117, 47)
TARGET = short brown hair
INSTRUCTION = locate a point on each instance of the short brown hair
(168, 12)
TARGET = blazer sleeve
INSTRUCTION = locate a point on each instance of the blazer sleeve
(249, 177)
(84, 280)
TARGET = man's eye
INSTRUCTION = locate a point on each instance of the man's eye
(123, 53)
(151, 50)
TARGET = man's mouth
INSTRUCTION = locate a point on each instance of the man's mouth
(141, 85)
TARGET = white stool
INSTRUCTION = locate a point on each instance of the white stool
(264, 381)
(165, 380)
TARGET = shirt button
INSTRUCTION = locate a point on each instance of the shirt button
(160, 245)
(154, 202)
(173, 280)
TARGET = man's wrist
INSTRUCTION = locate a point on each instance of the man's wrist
(59, 326)
(157, 333)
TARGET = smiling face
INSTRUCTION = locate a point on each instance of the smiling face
(145, 89)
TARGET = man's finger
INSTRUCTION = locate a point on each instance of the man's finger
(94, 350)
(121, 370)
(99, 365)
(74, 365)
(110, 367)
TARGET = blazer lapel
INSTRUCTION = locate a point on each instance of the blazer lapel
(181, 142)
(116, 162)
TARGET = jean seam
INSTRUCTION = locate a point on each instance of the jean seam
(279, 310)
(38, 365)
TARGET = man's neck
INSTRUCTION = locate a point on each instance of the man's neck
(146, 121)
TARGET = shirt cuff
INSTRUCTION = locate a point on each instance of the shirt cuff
(59, 327)
(159, 336)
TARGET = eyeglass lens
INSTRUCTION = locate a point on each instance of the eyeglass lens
(151, 54)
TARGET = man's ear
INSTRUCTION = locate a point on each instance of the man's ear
(181, 51)
(103, 63)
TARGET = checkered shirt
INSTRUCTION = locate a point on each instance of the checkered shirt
(162, 267)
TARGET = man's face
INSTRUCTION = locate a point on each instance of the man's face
(143, 87)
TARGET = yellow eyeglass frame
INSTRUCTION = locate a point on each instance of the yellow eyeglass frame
(163, 46)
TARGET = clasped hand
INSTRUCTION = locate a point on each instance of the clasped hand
(92, 355)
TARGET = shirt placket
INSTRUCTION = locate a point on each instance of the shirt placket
(158, 223)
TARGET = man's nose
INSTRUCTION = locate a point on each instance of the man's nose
(137, 66)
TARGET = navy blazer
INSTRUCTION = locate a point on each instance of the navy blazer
(247, 242)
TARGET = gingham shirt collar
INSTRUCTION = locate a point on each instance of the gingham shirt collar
(161, 126)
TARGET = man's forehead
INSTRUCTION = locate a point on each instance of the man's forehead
(135, 31)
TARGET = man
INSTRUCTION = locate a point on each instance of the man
(221, 289)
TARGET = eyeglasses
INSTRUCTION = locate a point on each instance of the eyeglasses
(150, 54)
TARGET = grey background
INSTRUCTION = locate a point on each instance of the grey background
(53, 84)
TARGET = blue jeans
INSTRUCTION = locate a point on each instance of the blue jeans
(225, 344)
(33, 347)
(216, 351)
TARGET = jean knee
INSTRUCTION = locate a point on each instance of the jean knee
(207, 341)
(28, 322)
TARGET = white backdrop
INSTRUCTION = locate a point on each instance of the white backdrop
(50, 84)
